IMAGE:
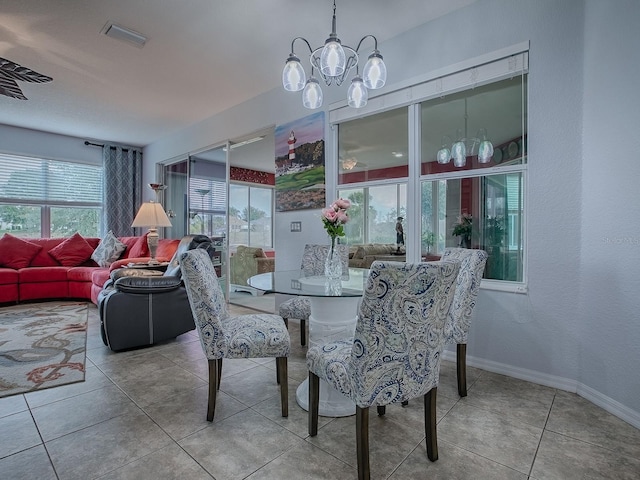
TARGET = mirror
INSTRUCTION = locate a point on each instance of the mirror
(251, 209)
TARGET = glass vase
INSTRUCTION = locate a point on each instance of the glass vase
(333, 263)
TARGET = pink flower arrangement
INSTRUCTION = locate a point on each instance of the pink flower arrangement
(334, 217)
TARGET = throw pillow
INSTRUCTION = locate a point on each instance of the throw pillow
(72, 252)
(140, 248)
(17, 253)
(108, 251)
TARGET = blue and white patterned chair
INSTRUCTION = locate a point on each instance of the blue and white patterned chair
(456, 330)
(312, 263)
(223, 336)
(395, 354)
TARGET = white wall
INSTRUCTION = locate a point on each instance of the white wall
(609, 322)
(22, 141)
(575, 329)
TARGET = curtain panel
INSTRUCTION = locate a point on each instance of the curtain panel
(122, 188)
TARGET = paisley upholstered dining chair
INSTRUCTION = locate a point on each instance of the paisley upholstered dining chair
(223, 336)
(312, 263)
(395, 354)
(456, 330)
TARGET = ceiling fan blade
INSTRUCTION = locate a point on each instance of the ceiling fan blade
(10, 88)
(24, 74)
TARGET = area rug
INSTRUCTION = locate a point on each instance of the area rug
(42, 345)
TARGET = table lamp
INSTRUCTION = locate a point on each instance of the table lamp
(152, 215)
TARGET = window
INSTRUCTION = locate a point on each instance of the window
(485, 101)
(49, 198)
(488, 202)
(250, 215)
(207, 206)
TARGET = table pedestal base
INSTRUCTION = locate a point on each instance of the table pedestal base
(332, 318)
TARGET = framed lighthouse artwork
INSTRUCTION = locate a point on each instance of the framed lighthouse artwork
(300, 164)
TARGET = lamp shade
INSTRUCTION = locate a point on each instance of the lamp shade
(151, 214)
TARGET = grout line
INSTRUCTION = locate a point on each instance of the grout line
(544, 429)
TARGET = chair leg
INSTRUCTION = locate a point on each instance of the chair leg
(362, 442)
(219, 372)
(281, 368)
(430, 423)
(303, 332)
(461, 362)
(214, 368)
(314, 403)
(382, 409)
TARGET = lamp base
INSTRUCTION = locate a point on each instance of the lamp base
(152, 243)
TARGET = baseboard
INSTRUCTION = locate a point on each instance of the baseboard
(561, 383)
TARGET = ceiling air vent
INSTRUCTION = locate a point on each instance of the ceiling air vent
(121, 33)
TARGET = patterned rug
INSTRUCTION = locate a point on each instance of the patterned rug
(42, 345)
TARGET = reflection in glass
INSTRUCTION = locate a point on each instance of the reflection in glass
(373, 213)
(379, 143)
(499, 108)
(494, 208)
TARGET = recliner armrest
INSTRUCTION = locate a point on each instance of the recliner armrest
(151, 284)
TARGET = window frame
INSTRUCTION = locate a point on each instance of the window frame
(493, 67)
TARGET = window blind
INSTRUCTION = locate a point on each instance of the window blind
(49, 181)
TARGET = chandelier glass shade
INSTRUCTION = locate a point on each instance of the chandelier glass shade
(333, 62)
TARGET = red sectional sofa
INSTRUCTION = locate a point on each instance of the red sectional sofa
(66, 270)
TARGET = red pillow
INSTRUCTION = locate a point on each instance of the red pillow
(72, 252)
(16, 252)
(140, 248)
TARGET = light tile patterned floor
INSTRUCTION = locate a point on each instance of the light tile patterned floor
(141, 415)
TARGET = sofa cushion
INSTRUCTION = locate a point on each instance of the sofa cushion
(16, 252)
(43, 274)
(108, 251)
(72, 252)
(8, 276)
(140, 248)
(83, 274)
(99, 276)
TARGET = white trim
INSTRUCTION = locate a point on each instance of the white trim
(504, 286)
(561, 383)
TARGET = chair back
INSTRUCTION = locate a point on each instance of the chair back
(206, 299)
(472, 263)
(400, 331)
(314, 257)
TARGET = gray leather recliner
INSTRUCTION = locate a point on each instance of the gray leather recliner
(140, 307)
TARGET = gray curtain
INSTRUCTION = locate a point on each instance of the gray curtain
(122, 188)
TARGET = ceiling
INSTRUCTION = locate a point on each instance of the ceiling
(201, 57)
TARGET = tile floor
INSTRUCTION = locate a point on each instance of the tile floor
(141, 415)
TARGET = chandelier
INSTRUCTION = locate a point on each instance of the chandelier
(349, 163)
(333, 61)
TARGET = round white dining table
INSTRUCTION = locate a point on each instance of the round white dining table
(334, 305)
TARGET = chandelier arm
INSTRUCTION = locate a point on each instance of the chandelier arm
(375, 42)
(304, 40)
